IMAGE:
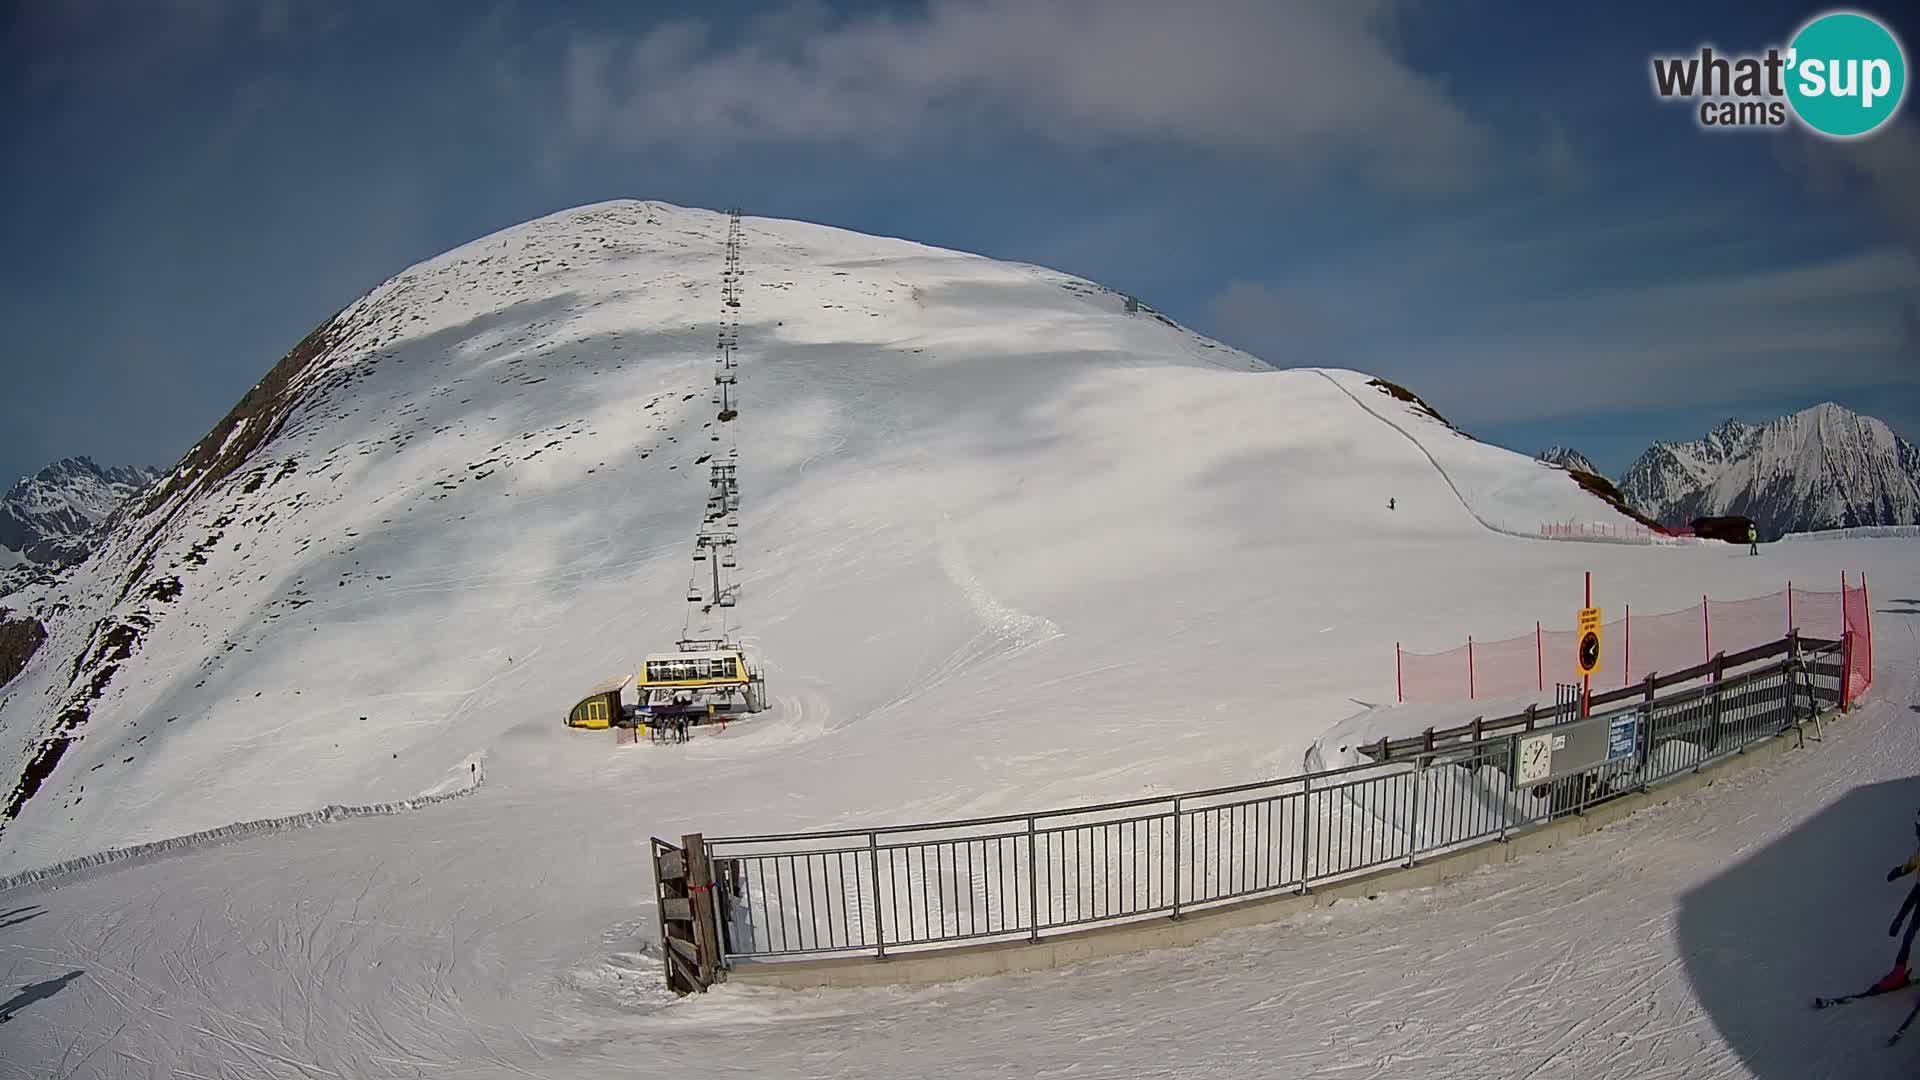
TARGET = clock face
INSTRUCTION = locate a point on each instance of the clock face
(1536, 759)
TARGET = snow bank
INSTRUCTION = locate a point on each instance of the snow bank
(454, 787)
(1858, 532)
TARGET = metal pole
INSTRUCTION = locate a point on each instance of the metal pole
(1513, 762)
(879, 923)
(1470, 693)
(1413, 809)
(1033, 882)
(1176, 856)
(1539, 659)
(1399, 676)
(1626, 660)
(1586, 681)
(1306, 826)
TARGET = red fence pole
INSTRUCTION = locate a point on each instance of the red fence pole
(1626, 660)
(1469, 667)
(1789, 605)
(1866, 606)
(1539, 659)
(1399, 679)
(1706, 626)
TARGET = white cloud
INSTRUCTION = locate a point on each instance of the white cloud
(1300, 84)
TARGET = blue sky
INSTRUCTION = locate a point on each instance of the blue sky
(1481, 200)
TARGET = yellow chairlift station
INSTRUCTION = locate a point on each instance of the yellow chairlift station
(693, 670)
(600, 708)
(719, 678)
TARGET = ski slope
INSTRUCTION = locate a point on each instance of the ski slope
(1004, 548)
(506, 934)
(967, 485)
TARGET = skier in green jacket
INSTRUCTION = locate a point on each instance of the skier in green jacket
(1753, 540)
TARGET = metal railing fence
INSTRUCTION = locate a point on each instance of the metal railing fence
(943, 884)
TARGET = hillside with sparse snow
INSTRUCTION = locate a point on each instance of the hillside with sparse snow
(473, 492)
(1825, 467)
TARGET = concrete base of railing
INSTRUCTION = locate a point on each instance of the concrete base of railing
(1001, 958)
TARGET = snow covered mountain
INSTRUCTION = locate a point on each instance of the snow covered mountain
(1567, 458)
(473, 492)
(1823, 467)
(54, 516)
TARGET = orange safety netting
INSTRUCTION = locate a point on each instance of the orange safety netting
(1636, 646)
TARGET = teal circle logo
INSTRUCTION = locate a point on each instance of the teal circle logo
(1847, 74)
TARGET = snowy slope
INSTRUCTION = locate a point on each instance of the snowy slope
(473, 493)
(1004, 547)
(1506, 492)
(1567, 458)
(1820, 468)
(511, 933)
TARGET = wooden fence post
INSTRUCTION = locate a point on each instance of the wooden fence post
(700, 894)
(679, 934)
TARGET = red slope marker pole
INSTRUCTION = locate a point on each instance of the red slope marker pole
(1469, 667)
(1866, 606)
(1706, 626)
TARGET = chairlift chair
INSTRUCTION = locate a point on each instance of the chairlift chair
(727, 559)
(726, 599)
(693, 596)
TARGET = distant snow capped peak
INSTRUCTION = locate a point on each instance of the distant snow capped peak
(1567, 458)
(1822, 467)
(49, 518)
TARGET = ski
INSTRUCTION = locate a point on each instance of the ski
(1845, 999)
(1904, 1025)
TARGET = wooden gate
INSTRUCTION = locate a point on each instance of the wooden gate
(689, 931)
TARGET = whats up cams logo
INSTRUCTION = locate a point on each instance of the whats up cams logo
(1842, 75)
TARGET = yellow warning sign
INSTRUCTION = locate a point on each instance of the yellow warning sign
(1588, 659)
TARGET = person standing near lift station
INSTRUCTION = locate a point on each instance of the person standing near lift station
(1753, 539)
